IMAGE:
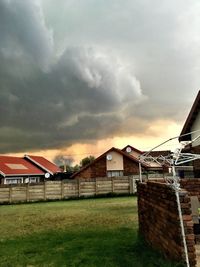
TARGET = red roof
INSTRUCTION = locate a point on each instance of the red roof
(14, 166)
(43, 163)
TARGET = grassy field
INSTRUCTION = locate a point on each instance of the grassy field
(93, 232)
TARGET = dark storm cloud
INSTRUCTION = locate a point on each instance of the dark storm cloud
(71, 74)
(48, 101)
(24, 35)
(61, 160)
(160, 39)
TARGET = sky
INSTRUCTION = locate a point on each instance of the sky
(78, 77)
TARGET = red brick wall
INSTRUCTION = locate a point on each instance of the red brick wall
(196, 163)
(87, 173)
(159, 221)
(97, 169)
(192, 185)
(130, 167)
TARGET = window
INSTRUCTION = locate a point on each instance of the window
(115, 173)
(18, 180)
(34, 179)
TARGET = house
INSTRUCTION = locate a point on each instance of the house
(132, 151)
(28, 169)
(153, 165)
(115, 162)
(190, 131)
(43, 164)
(136, 153)
(192, 124)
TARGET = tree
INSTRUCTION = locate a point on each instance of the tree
(76, 168)
(70, 169)
(86, 160)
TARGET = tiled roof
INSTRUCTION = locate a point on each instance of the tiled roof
(43, 163)
(15, 166)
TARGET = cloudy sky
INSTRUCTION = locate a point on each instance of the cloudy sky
(80, 76)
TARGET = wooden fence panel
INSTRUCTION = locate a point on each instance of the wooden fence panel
(122, 186)
(18, 193)
(36, 192)
(88, 188)
(52, 190)
(70, 189)
(104, 187)
(4, 194)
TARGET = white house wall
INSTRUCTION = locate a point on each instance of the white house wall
(195, 127)
(116, 163)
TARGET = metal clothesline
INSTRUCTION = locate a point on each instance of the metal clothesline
(173, 160)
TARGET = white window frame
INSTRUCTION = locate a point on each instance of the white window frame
(34, 179)
(115, 173)
(13, 180)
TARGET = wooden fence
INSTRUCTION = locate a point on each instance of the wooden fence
(52, 190)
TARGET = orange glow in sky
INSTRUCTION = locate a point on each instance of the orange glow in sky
(158, 132)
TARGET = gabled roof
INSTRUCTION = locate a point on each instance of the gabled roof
(15, 166)
(131, 157)
(43, 163)
(137, 153)
(132, 148)
(134, 159)
(190, 119)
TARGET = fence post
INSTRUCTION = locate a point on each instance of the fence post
(62, 189)
(131, 185)
(96, 187)
(10, 193)
(113, 184)
(79, 187)
(27, 192)
(45, 190)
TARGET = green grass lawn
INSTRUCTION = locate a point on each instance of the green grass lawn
(92, 232)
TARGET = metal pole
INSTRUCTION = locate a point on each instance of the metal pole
(176, 187)
(178, 158)
(140, 171)
(170, 139)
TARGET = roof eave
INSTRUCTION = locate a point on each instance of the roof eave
(23, 174)
(191, 116)
(40, 165)
(2, 173)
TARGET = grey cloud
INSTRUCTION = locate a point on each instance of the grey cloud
(23, 32)
(79, 71)
(79, 97)
(61, 160)
(161, 39)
